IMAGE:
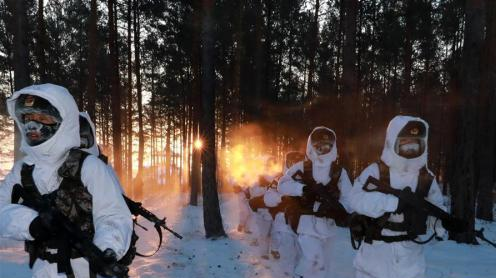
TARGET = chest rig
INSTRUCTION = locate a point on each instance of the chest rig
(332, 187)
(295, 207)
(72, 199)
(414, 222)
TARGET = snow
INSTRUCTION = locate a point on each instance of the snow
(195, 256)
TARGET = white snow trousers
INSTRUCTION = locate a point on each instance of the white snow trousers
(390, 260)
(283, 241)
(259, 224)
(315, 256)
(44, 269)
(244, 210)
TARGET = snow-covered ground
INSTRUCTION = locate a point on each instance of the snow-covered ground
(195, 256)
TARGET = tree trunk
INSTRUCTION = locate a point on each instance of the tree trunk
(184, 135)
(349, 49)
(41, 43)
(115, 89)
(314, 43)
(92, 56)
(464, 179)
(487, 120)
(350, 80)
(407, 55)
(168, 150)
(189, 148)
(339, 43)
(196, 103)
(211, 212)
(237, 60)
(22, 78)
(129, 97)
(255, 103)
(152, 119)
(137, 62)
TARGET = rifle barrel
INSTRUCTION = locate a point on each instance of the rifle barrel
(171, 231)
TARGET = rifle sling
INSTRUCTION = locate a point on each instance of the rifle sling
(158, 228)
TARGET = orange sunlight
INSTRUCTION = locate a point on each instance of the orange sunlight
(198, 144)
(247, 159)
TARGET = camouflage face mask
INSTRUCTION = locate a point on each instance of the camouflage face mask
(322, 141)
(35, 133)
(39, 119)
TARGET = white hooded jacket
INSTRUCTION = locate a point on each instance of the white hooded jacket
(321, 166)
(272, 198)
(94, 148)
(399, 259)
(111, 217)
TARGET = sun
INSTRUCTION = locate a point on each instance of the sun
(198, 144)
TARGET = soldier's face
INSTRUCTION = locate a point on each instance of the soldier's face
(38, 127)
(322, 146)
(293, 159)
(409, 147)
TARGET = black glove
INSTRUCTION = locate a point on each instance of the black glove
(111, 267)
(406, 199)
(330, 209)
(314, 189)
(333, 192)
(44, 226)
(307, 180)
(109, 256)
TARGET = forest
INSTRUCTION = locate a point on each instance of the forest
(181, 90)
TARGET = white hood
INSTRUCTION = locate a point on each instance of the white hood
(321, 164)
(322, 160)
(93, 149)
(391, 158)
(285, 162)
(67, 136)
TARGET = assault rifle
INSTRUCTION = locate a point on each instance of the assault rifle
(330, 206)
(138, 210)
(76, 238)
(449, 222)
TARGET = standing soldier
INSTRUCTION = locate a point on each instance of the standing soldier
(390, 250)
(283, 245)
(321, 189)
(48, 118)
(242, 197)
(260, 220)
